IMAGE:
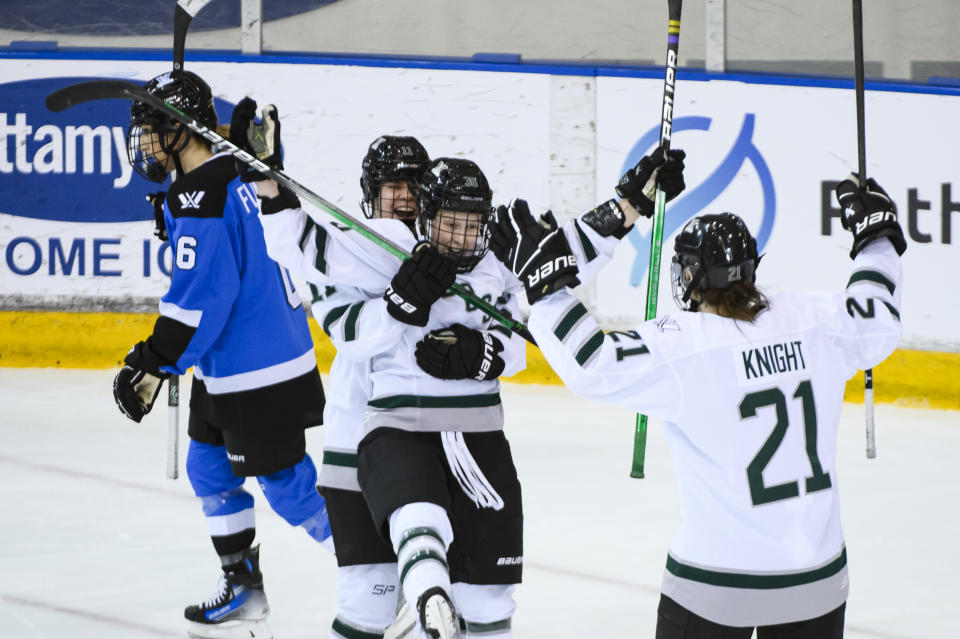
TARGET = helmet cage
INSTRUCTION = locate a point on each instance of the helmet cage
(455, 209)
(184, 91)
(390, 159)
(462, 236)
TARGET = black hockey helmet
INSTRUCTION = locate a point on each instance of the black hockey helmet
(711, 252)
(390, 158)
(455, 207)
(186, 92)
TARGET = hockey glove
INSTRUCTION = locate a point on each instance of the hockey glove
(156, 200)
(420, 281)
(459, 352)
(136, 386)
(607, 219)
(869, 214)
(536, 252)
(639, 184)
(259, 139)
(286, 199)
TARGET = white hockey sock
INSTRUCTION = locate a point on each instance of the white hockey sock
(487, 610)
(421, 533)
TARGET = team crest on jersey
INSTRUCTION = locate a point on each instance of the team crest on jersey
(667, 323)
(191, 200)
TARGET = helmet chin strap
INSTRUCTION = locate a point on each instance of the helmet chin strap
(694, 281)
(176, 146)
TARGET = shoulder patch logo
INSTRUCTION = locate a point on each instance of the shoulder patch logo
(668, 324)
(191, 200)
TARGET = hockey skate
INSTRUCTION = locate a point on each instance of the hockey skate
(437, 615)
(237, 609)
(405, 626)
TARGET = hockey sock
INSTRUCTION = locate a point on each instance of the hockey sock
(422, 562)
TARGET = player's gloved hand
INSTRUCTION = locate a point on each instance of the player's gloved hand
(639, 184)
(607, 219)
(271, 202)
(536, 252)
(419, 282)
(156, 200)
(458, 352)
(136, 386)
(259, 139)
(869, 214)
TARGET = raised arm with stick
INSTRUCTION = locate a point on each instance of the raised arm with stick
(656, 236)
(862, 174)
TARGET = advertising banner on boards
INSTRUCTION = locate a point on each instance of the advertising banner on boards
(75, 229)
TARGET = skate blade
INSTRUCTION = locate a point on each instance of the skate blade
(234, 629)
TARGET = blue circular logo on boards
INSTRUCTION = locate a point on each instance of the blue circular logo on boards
(69, 166)
(695, 200)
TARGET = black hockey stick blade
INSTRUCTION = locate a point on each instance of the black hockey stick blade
(81, 92)
(182, 15)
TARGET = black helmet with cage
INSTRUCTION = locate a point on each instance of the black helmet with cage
(712, 252)
(455, 203)
(186, 92)
(391, 158)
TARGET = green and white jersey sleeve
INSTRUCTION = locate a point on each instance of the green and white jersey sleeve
(750, 412)
(350, 387)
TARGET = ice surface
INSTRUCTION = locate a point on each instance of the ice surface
(95, 543)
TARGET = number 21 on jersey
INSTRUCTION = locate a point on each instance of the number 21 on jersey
(760, 493)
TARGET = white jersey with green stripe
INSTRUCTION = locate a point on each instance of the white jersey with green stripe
(356, 273)
(349, 382)
(750, 412)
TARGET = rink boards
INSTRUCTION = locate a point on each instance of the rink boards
(76, 234)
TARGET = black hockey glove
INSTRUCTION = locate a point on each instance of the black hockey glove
(607, 219)
(536, 252)
(287, 199)
(259, 139)
(156, 200)
(419, 282)
(869, 214)
(459, 352)
(136, 386)
(639, 184)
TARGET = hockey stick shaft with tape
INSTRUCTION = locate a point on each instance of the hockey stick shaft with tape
(660, 204)
(173, 426)
(104, 89)
(862, 173)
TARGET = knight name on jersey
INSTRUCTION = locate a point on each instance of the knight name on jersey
(763, 362)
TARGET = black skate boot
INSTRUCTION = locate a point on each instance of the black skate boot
(238, 606)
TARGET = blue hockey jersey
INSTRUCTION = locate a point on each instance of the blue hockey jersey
(231, 312)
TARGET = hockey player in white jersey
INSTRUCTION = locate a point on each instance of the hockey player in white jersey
(230, 314)
(411, 483)
(750, 390)
(367, 580)
(434, 465)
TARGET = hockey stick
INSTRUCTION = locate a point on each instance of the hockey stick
(104, 89)
(660, 202)
(182, 15)
(173, 423)
(862, 173)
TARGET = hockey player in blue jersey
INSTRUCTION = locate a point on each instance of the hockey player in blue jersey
(232, 314)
